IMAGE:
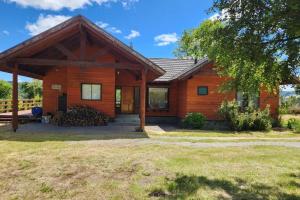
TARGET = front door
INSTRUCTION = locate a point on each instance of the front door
(127, 100)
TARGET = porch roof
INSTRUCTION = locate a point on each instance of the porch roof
(53, 46)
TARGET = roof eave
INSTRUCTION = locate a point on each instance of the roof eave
(194, 69)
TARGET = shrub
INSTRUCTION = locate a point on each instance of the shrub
(194, 121)
(80, 116)
(294, 124)
(291, 122)
(248, 119)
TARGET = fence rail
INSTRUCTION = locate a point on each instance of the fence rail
(24, 104)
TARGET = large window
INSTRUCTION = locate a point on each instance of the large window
(158, 98)
(245, 99)
(91, 91)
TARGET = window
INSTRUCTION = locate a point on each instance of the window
(245, 100)
(202, 90)
(158, 98)
(90, 91)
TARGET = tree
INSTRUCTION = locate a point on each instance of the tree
(254, 43)
(297, 89)
(5, 90)
(30, 90)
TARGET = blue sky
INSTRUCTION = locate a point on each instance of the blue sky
(153, 26)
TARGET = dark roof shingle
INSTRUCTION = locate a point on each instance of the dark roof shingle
(173, 67)
(177, 68)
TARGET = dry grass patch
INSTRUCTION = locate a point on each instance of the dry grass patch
(59, 168)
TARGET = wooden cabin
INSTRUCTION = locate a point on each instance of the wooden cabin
(81, 64)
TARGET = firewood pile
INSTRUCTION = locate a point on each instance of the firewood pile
(80, 116)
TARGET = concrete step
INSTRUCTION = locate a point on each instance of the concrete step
(127, 120)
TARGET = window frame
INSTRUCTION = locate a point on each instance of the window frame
(201, 86)
(81, 90)
(248, 99)
(168, 97)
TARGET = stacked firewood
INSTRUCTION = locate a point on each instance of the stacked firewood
(80, 116)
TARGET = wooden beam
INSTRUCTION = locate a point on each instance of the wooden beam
(65, 51)
(143, 99)
(15, 99)
(82, 43)
(51, 62)
(22, 73)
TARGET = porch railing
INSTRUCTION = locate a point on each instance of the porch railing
(24, 104)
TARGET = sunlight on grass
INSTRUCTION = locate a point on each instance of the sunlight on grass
(67, 166)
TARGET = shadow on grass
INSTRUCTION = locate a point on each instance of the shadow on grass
(183, 187)
(65, 134)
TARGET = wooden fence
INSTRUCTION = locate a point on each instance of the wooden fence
(24, 104)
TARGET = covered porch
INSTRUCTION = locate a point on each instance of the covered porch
(76, 55)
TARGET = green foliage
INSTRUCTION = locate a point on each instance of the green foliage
(294, 124)
(297, 89)
(31, 90)
(5, 89)
(289, 105)
(254, 50)
(246, 119)
(193, 121)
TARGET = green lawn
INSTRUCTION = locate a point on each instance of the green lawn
(66, 166)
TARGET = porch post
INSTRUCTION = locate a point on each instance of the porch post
(15, 98)
(143, 99)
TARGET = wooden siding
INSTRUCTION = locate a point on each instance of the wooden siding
(182, 99)
(206, 104)
(271, 100)
(209, 104)
(103, 76)
(57, 75)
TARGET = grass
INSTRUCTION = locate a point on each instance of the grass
(246, 134)
(66, 166)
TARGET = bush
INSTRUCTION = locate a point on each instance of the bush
(294, 124)
(248, 119)
(80, 116)
(194, 121)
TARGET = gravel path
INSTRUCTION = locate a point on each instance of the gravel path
(133, 142)
(225, 138)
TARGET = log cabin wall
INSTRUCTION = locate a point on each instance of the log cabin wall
(209, 104)
(56, 76)
(70, 79)
(182, 99)
(271, 100)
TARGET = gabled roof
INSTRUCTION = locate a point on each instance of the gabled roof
(178, 68)
(72, 24)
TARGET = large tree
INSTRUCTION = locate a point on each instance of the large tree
(5, 89)
(255, 43)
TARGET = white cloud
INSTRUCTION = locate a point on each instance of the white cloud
(68, 4)
(102, 24)
(128, 3)
(219, 16)
(107, 27)
(166, 39)
(5, 32)
(44, 23)
(114, 30)
(133, 34)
